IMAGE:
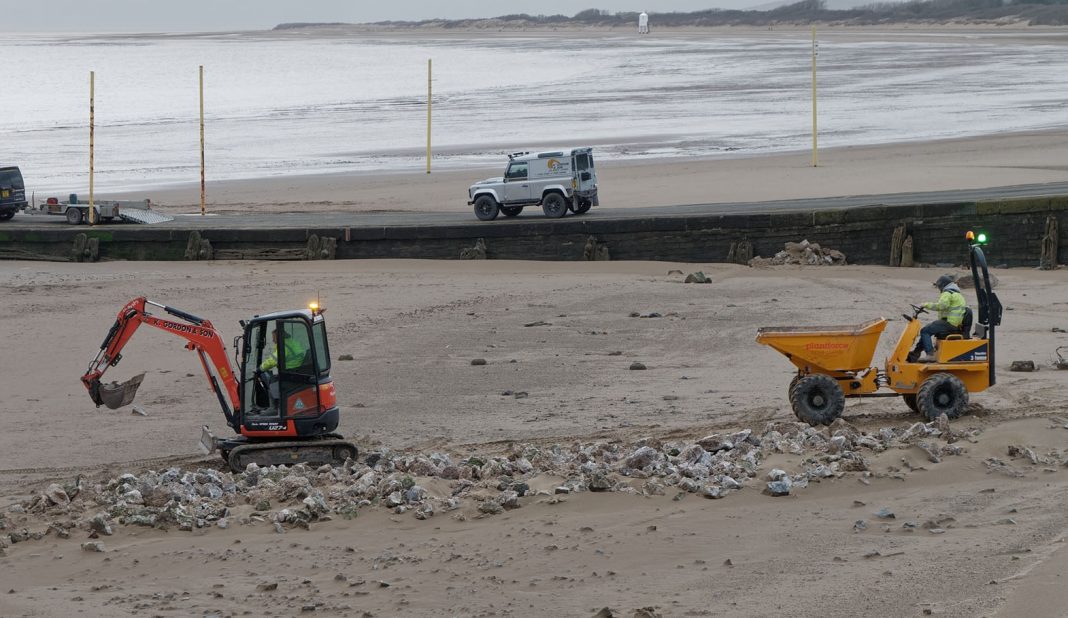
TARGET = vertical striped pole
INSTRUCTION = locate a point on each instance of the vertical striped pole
(202, 188)
(429, 96)
(92, 120)
(815, 157)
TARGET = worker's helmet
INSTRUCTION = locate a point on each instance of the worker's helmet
(942, 282)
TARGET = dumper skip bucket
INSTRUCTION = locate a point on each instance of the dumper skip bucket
(826, 349)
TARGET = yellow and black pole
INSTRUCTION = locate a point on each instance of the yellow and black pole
(815, 52)
(202, 187)
(429, 98)
(92, 97)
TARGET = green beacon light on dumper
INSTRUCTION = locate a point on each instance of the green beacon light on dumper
(979, 239)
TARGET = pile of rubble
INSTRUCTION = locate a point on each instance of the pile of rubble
(297, 496)
(803, 253)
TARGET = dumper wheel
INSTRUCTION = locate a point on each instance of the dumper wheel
(511, 211)
(554, 206)
(942, 393)
(817, 399)
(486, 208)
(910, 401)
(793, 383)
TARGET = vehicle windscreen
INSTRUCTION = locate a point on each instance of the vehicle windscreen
(583, 162)
(516, 171)
(11, 177)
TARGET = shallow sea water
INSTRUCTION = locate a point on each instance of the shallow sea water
(292, 105)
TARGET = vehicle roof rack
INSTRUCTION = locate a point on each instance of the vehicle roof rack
(546, 155)
(518, 154)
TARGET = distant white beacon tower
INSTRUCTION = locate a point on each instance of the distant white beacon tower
(643, 23)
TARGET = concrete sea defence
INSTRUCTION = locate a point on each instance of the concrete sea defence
(1020, 231)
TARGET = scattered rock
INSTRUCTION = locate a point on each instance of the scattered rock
(538, 323)
(1023, 365)
(478, 362)
(636, 366)
(345, 357)
(267, 587)
(966, 281)
(779, 488)
(490, 507)
(93, 546)
(697, 277)
(57, 495)
(885, 513)
(138, 410)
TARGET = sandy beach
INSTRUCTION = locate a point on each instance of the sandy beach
(980, 532)
(971, 163)
(557, 478)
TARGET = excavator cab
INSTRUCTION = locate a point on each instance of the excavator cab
(285, 386)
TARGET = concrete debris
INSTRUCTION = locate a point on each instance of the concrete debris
(803, 253)
(697, 277)
(425, 483)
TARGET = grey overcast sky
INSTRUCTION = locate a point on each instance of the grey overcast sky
(206, 15)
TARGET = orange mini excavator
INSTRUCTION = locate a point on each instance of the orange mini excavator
(280, 401)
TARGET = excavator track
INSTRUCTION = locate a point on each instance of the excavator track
(330, 450)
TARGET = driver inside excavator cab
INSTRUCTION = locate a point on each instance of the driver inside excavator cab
(295, 354)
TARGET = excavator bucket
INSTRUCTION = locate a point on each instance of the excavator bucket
(115, 395)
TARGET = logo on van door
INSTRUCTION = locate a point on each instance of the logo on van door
(554, 165)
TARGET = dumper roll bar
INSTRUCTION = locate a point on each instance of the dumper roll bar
(989, 305)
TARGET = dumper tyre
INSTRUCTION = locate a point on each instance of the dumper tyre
(486, 208)
(554, 205)
(74, 216)
(817, 399)
(793, 383)
(942, 393)
(910, 401)
(511, 211)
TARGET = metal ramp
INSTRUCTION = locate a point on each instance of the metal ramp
(141, 215)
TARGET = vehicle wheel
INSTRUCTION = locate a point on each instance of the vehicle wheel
(341, 453)
(554, 205)
(793, 383)
(942, 393)
(583, 207)
(486, 208)
(817, 399)
(7, 214)
(511, 211)
(74, 216)
(910, 401)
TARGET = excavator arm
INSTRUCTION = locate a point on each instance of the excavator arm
(201, 337)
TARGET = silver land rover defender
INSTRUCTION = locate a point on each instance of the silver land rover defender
(559, 181)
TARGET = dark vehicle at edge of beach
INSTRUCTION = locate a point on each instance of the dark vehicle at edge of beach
(12, 192)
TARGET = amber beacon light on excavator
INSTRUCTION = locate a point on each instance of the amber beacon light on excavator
(280, 400)
(834, 362)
